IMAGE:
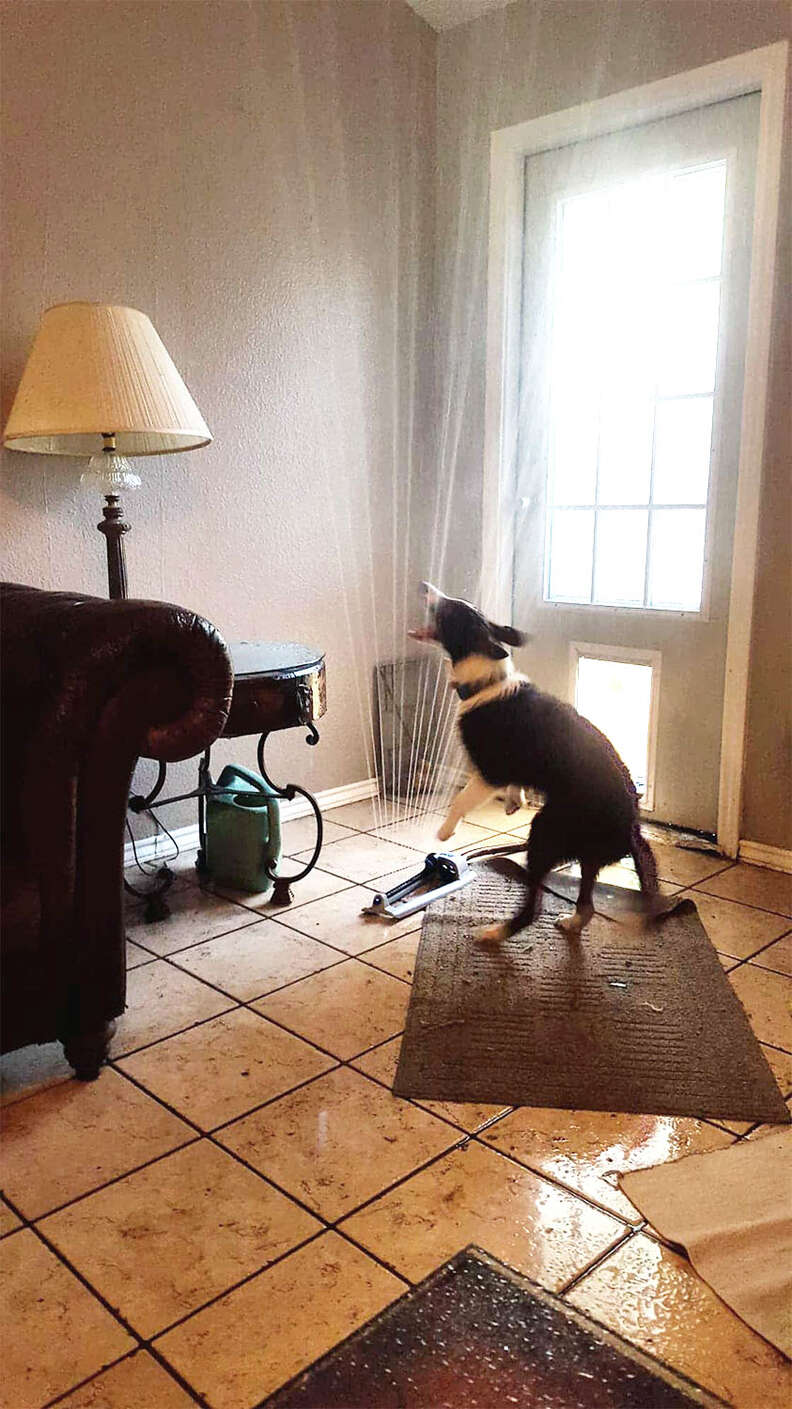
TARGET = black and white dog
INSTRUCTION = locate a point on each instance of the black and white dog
(517, 737)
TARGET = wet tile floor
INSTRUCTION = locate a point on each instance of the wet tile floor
(239, 1192)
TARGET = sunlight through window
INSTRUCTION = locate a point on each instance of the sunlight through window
(617, 696)
(636, 311)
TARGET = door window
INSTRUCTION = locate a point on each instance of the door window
(636, 310)
(618, 691)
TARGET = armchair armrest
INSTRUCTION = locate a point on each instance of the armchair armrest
(84, 652)
(88, 686)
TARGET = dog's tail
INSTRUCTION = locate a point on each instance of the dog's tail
(646, 868)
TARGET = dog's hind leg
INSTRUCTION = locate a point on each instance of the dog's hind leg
(584, 909)
(475, 792)
(514, 800)
(544, 853)
(646, 869)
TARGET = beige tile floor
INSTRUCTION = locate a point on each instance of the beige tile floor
(242, 1163)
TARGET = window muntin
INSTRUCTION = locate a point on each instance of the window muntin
(634, 350)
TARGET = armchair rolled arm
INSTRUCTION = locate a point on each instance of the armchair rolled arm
(84, 654)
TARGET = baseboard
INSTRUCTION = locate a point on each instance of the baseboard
(777, 858)
(158, 845)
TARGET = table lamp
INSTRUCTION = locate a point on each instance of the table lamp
(99, 383)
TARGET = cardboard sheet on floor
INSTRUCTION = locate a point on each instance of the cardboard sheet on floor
(620, 1020)
(732, 1212)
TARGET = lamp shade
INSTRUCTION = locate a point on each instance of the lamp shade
(96, 369)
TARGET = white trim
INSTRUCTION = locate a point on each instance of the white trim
(757, 852)
(631, 655)
(158, 846)
(749, 474)
(760, 70)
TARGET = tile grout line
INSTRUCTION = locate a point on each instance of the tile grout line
(651, 1355)
(626, 1237)
(235, 1287)
(237, 1004)
(116, 1178)
(134, 937)
(712, 895)
(367, 1252)
(326, 1225)
(138, 1349)
(337, 1062)
(367, 883)
(277, 919)
(141, 1342)
(753, 959)
(259, 997)
(234, 1119)
(343, 954)
(144, 1343)
(553, 1179)
(224, 894)
(147, 1342)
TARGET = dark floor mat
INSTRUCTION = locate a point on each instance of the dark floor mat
(620, 1020)
(475, 1335)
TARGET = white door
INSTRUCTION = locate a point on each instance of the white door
(636, 262)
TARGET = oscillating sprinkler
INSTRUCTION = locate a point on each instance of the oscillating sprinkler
(443, 873)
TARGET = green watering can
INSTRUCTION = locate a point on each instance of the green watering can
(243, 831)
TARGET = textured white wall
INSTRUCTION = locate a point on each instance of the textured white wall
(257, 177)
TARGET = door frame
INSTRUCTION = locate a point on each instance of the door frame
(761, 71)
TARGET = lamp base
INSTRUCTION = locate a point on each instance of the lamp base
(114, 526)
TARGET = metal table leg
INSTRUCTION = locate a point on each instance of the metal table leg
(282, 889)
(204, 785)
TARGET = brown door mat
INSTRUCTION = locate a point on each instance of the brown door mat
(475, 1335)
(615, 902)
(620, 1020)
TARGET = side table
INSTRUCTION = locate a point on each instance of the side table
(277, 685)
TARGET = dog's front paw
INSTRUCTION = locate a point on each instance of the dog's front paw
(575, 923)
(447, 830)
(570, 924)
(491, 934)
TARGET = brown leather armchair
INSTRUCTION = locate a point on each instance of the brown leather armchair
(87, 687)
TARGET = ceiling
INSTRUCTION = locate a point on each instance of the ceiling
(443, 14)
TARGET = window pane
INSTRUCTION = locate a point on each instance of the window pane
(573, 455)
(575, 394)
(694, 222)
(633, 210)
(676, 558)
(689, 339)
(625, 449)
(583, 240)
(616, 696)
(571, 543)
(620, 563)
(683, 432)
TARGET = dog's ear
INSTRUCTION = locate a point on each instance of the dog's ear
(508, 634)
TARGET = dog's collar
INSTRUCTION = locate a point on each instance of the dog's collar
(466, 692)
(475, 674)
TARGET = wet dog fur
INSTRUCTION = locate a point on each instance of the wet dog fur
(516, 736)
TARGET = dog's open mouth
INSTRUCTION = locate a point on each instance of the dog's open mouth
(429, 596)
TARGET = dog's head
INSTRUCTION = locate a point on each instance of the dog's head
(462, 630)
